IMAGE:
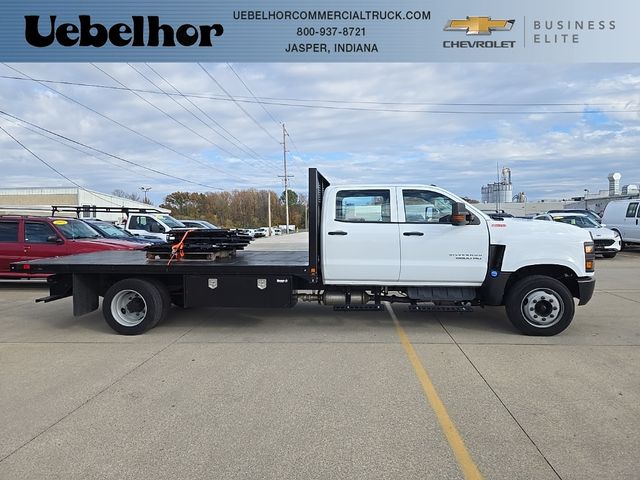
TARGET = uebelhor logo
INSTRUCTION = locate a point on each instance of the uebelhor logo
(120, 34)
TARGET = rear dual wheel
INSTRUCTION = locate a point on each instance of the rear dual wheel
(134, 305)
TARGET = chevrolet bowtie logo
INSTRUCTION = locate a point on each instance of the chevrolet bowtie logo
(479, 25)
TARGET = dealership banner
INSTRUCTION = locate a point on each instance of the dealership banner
(320, 31)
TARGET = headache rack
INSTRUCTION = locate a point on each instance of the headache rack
(78, 209)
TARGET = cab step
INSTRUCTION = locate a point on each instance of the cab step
(344, 308)
(441, 308)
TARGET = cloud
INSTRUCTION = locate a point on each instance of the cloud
(395, 130)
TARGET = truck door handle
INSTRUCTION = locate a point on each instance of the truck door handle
(413, 234)
(338, 232)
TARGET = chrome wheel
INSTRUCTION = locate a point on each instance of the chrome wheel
(542, 308)
(128, 308)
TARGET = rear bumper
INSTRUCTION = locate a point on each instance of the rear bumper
(586, 285)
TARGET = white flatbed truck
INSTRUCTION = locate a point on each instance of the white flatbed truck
(368, 244)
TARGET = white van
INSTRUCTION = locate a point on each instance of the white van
(623, 216)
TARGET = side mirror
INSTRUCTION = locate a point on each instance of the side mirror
(460, 215)
(54, 239)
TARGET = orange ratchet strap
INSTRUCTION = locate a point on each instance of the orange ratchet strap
(177, 250)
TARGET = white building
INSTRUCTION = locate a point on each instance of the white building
(39, 200)
(499, 192)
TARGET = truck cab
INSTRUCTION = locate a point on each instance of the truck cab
(400, 236)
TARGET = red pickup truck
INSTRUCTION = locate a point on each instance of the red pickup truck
(27, 238)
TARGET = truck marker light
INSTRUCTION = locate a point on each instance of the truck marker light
(589, 257)
(26, 266)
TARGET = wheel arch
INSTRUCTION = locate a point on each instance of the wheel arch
(560, 272)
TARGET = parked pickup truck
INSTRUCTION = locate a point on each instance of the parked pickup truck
(418, 245)
(152, 224)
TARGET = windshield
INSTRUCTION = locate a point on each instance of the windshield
(170, 221)
(110, 230)
(582, 222)
(75, 229)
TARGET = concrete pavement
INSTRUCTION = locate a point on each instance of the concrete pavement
(313, 393)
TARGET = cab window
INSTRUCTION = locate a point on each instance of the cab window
(37, 232)
(8, 232)
(134, 223)
(631, 209)
(423, 206)
(363, 206)
(148, 224)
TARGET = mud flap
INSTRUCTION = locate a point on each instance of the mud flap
(85, 294)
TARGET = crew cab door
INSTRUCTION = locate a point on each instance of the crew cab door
(360, 243)
(41, 240)
(433, 251)
(11, 249)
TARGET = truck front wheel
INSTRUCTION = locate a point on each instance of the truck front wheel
(540, 305)
(133, 306)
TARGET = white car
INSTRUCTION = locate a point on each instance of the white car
(606, 241)
(252, 232)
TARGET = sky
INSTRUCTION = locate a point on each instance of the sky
(210, 127)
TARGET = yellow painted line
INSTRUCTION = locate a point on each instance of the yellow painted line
(468, 466)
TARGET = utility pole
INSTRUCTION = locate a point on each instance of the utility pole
(286, 177)
(586, 193)
(269, 211)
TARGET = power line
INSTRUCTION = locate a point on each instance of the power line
(51, 167)
(188, 111)
(262, 105)
(238, 104)
(278, 123)
(146, 137)
(109, 154)
(282, 101)
(244, 148)
(49, 137)
(167, 114)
